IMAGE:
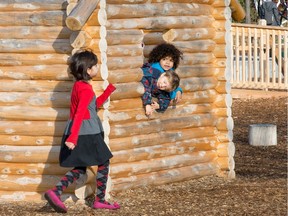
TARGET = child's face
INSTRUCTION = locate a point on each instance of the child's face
(93, 71)
(166, 63)
(163, 83)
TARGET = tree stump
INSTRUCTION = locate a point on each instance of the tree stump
(262, 134)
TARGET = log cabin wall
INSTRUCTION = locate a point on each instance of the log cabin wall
(193, 140)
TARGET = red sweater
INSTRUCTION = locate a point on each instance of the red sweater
(81, 96)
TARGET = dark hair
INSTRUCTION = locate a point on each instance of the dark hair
(173, 78)
(80, 62)
(165, 50)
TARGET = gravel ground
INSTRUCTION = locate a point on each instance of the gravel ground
(260, 186)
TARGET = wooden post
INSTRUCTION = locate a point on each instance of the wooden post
(262, 134)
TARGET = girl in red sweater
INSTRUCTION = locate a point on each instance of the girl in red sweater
(83, 140)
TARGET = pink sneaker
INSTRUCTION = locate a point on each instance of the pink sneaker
(106, 205)
(55, 201)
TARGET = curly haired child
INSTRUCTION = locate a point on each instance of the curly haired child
(166, 57)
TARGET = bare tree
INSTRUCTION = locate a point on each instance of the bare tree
(248, 12)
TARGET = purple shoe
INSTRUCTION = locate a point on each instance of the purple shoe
(106, 205)
(55, 201)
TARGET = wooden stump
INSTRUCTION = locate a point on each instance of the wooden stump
(262, 134)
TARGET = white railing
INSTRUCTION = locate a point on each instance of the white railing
(259, 57)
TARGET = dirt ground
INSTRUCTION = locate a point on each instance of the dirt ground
(260, 186)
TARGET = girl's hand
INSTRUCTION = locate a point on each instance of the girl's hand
(178, 97)
(155, 105)
(149, 110)
(70, 145)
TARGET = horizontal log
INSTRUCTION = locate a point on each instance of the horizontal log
(221, 13)
(29, 154)
(126, 1)
(125, 76)
(79, 39)
(223, 101)
(195, 46)
(226, 149)
(222, 112)
(124, 62)
(80, 14)
(209, 2)
(161, 22)
(135, 50)
(127, 90)
(31, 183)
(154, 165)
(16, 59)
(22, 113)
(38, 18)
(121, 37)
(223, 87)
(128, 103)
(220, 3)
(22, 5)
(41, 86)
(153, 38)
(33, 113)
(220, 25)
(31, 128)
(38, 99)
(139, 114)
(19, 140)
(197, 58)
(224, 124)
(165, 176)
(204, 70)
(207, 96)
(220, 37)
(198, 84)
(130, 90)
(159, 152)
(223, 74)
(36, 72)
(123, 11)
(96, 32)
(35, 46)
(34, 32)
(32, 169)
(192, 136)
(226, 163)
(220, 62)
(157, 1)
(219, 51)
(189, 34)
(225, 136)
(146, 127)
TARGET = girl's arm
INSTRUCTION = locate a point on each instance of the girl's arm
(104, 96)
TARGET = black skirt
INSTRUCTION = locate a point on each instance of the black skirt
(91, 150)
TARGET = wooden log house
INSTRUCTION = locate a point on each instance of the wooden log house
(36, 40)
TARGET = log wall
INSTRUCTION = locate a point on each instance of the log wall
(191, 141)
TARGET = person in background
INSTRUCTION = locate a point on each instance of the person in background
(83, 140)
(271, 13)
(162, 58)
